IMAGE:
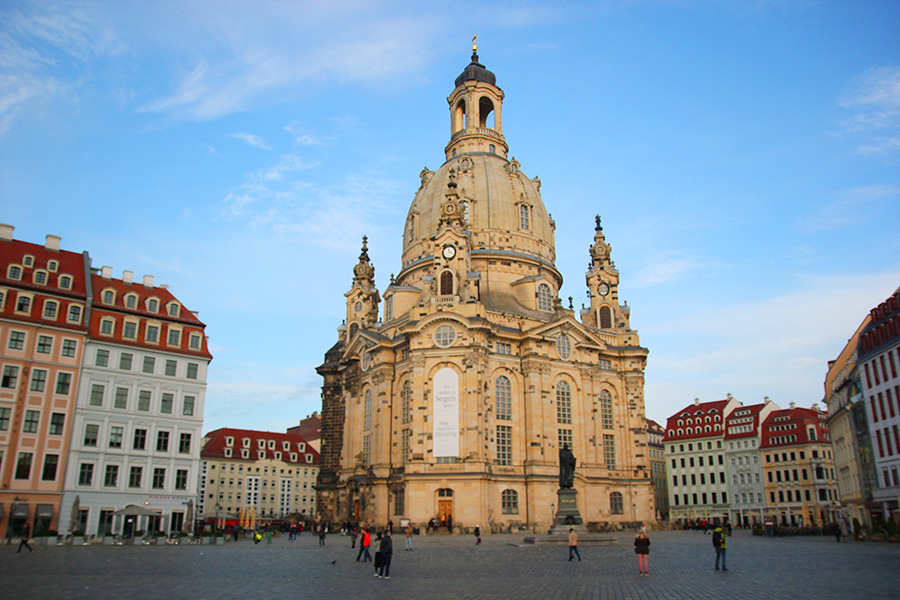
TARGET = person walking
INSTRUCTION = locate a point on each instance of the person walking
(353, 535)
(387, 553)
(26, 534)
(573, 544)
(321, 534)
(477, 535)
(642, 549)
(720, 543)
(364, 546)
(409, 532)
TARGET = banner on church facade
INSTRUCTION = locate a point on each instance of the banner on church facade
(446, 413)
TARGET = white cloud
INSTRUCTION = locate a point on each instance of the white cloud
(875, 102)
(253, 140)
(852, 207)
(779, 346)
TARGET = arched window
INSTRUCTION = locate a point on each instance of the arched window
(459, 116)
(615, 503)
(524, 217)
(406, 402)
(544, 300)
(563, 403)
(367, 411)
(503, 394)
(605, 317)
(563, 346)
(153, 305)
(485, 113)
(388, 308)
(446, 283)
(606, 412)
(109, 297)
(509, 500)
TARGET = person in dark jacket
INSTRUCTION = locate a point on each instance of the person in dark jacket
(387, 552)
(642, 549)
(26, 534)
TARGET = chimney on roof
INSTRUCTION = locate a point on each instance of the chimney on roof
(766, 400)
(792, 405)
(729, 397)
(52, 242)
(164, 286)
(106, 272)
(148, 281)
(128, 276)
(6, 232)
(696, 401)
(815, 407)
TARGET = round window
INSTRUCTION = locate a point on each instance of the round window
(444, 336)
(563, 346)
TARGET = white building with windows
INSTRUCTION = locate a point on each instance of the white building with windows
(879, 359)
(746, 487)
(139, 412)
(253, 477)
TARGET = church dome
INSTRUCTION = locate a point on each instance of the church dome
(476, 72)
(502, 208)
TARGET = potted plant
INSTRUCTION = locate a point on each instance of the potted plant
(77, 537)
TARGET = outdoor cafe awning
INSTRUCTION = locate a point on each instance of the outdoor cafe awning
(19, 511)
(44, 511)
(133, 510)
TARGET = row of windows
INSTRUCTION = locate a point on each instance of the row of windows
(786, 456)
(265, 483)
(794, 495)
(881, 404)
(709, 460)
(699, 430)
(152, 332)
(891, 449)
(877, 377)
(683, 499)
(135, 477)
(120, 401)
(148, 365)
(262, 455)
(690, 445)
(139, 438)
(130, 300)
(263, 444)
(240, 469)
(821, 473)
(38, 382)
(39, 276)
(31, 422)
(23, 466)
(51, 308)
(702, 478)
(68, 348)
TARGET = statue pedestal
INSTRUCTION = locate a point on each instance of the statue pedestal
(567, 515)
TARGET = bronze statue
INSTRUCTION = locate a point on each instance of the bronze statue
(566, 468)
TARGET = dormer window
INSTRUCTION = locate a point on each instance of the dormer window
(261, 454)
(227, 452)
(195, 341)
(14, 272)
(293, 457)
(174, 309)
(153, 305)
(40, 277)
(278, 456)
(271, 444)
(286, 446)
(309, 458)
(245, 453)
(301, 446)
(28, 260)
(131, 300)
(261, 444)
(109, 297)
(229, 441)
(245, 442)
(65, 282)
(52, 265)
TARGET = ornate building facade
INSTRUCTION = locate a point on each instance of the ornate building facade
(455, 404)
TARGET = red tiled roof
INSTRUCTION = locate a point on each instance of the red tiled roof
(801, 417)
(693, 417)
(215, 445)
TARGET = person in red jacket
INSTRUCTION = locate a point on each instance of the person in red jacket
(364, 546)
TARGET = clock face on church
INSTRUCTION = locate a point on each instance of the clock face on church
(449, 252)
(603, 289)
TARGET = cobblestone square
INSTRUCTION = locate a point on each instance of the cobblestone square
(445, 567)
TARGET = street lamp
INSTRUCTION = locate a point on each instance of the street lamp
(216, 524)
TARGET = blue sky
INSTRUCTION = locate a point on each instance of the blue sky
(743, 156)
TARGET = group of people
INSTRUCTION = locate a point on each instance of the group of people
(642, 548)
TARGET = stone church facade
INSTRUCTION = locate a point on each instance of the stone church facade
(453, 402)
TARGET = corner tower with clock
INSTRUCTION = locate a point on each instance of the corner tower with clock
(455, 405)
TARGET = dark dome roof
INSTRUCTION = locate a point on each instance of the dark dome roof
(476, 72)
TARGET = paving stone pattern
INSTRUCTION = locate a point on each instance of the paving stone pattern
(454, 568)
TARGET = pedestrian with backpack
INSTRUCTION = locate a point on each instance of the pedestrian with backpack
(719, 543)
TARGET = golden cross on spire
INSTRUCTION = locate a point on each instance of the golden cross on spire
(474, 45)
